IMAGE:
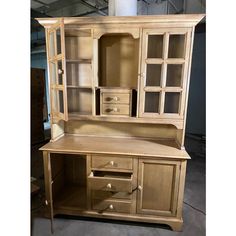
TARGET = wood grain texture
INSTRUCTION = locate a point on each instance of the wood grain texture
(188, 19)
(120, 146)
(158, 187)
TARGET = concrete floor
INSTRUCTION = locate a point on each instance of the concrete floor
(193, 210)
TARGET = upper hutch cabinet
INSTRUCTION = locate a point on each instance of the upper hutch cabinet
(145, 60)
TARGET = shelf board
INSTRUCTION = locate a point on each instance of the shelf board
(82, 61)
(140, 147)
(72, 197)
(178, 123)
(78, 87)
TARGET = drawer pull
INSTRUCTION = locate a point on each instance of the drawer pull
(140, 187)
(112, 99)
(109, 185)
(111, 163)
(111, 207)
(115, 109)
(46, 202)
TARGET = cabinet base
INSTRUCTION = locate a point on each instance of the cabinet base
(175, 223)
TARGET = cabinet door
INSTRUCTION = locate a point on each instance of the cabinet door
(57, 71)
(164, 72)
(158, 187)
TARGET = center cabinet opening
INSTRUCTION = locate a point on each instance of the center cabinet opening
(118, 61)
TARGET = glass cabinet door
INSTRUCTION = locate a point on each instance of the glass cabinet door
(163, 72)
(57, 73)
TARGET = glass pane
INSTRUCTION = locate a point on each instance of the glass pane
(174, 74)
(151, 102)
(176, 46)
(58, 36)
(51, 45)
(61, 102)
(171, 103)
(155, 45)
(153, 77)
(60, 72)
(53, 73)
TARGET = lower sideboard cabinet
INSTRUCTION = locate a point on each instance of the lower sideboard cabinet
(144, 189)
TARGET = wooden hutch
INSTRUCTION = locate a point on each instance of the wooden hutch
(118, 92)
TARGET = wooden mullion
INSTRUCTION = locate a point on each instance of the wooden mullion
(154, 60)
(63, 57)
(152, 89)
(174, 60)
(163, 72)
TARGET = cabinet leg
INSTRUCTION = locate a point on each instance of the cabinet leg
(51, 216)
(176, 226)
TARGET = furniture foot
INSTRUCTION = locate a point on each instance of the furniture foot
(176, 226)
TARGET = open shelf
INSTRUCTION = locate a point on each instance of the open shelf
(80, 100)
(78, 87)
(82, 61)
(72, 196)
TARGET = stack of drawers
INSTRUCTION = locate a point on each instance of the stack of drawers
(116, 101)
(112, 184)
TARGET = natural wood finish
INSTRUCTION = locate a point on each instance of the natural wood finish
(114, 184)
(178, 123)
(115, 109)
(186, 19)
(118, 93)
(112, 163)
(97, 33)
(112, 146)
(158, 187)
(109, 129)
(111, 205)
(113, 71)
(121, 98)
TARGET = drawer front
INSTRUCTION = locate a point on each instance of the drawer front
(110, 184)
(123, 98)
(97, 194)
(111, 206)
(111, 162)
(115, 109)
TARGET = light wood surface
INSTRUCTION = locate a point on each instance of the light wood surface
(112, 163)
(118, 92)
(158, 187)
(185, 19)
(121, 146)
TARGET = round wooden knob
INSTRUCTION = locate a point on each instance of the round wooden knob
(115, 109)
(60, 71)
(112, 163)
(46, 202)
(111, 207)
(109, 185)
(140, 187)
(115, 98)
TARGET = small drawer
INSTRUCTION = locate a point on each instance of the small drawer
(115, 109)
(114, 182)
(111, 206)
(112, 195)
(111, 162)
(116, 98)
